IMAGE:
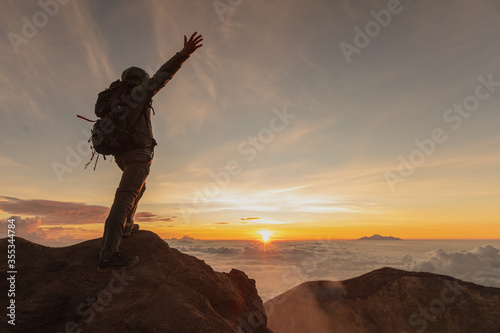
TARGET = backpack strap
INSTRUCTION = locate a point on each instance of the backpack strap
(87, 119)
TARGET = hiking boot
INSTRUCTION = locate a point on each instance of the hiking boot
(117, 260)
(130, 229)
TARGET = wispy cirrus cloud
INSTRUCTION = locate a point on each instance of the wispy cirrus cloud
(249, 218)
(8, 162)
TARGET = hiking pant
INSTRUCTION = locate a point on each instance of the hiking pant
(135, 166)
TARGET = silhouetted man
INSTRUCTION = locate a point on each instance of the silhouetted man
(135, 162)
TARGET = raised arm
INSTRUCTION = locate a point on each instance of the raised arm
(168, 69)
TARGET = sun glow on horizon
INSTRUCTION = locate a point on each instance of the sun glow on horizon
(266, 235)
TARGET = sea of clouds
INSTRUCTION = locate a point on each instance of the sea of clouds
(279, 266)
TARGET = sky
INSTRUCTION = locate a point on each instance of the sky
(308, 119)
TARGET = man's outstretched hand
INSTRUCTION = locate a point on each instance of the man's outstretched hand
(192, 44)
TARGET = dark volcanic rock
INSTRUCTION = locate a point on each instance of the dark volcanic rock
(59, 290)
(389, 301)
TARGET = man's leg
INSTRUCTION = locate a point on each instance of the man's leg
(130, 216)
(135, 171)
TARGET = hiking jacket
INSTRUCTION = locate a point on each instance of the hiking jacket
(139, 102)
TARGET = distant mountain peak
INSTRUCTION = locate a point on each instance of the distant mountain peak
(379, 237)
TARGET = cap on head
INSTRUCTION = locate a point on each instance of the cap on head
(135, 75)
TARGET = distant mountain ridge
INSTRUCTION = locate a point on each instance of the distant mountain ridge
(379, 237)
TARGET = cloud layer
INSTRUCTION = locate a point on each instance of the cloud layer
(480, 265)
(279, 266)
(32, 230)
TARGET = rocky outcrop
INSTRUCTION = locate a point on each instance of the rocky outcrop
(389, 301)
(59, 290)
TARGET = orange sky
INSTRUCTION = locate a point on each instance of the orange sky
(270, 125)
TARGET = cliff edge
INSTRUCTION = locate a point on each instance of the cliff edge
(59, 290)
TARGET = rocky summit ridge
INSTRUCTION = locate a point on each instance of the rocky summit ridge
(59, 290)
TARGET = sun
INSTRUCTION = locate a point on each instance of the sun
(266, 235)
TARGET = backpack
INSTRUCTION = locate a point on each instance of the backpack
(110, 133)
